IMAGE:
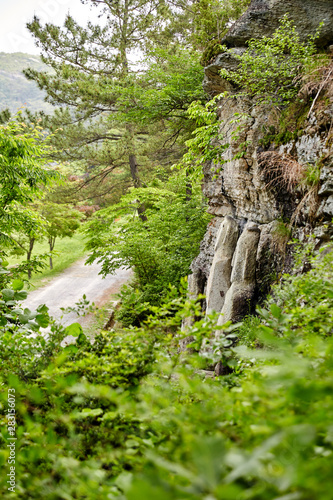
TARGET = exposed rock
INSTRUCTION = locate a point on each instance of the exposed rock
(243, 188)
(262, 19)
(213, 83)
(219, 276)
(183, 343)
(204, 260)
(326, 179)
(310, 148)
(326, 208)
(195, 285)
(221, 369)
(244, 261)
(238, 303)
(271, 256)
(239, 189)
(239, 298)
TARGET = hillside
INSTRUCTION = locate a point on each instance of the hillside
(15, 89)
(212, 377)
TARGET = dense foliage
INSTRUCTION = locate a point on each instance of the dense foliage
(122, 418)
(121, 117)
(23, 174)
(271, 67)
(159, 246)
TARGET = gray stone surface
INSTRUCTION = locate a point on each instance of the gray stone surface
(219, 276)
(326, 208)
(213, 83)
(242, 188)
(238, 303)
(326, 180)
(239, 298)
(244, 262)
(239, 188)
(205, 258)
(262, 18)
(195, 286)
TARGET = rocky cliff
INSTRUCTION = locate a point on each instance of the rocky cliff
(260, 196)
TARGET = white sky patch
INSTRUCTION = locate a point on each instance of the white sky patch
(14, 14)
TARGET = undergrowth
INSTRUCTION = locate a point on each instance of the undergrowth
(130, 417)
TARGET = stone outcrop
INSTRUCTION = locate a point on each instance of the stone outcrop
(253, 195)
(239, 298)
(220, 273)
(261, 19)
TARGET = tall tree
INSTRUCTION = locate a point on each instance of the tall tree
(89, 67)
(22, 174)
(118, 114)
(63, 220)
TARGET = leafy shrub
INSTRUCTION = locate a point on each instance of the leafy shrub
(271, 68)
(24, 351)
(131, 418)
(133, 309)
(158, 247)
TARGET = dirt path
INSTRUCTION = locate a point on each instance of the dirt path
(68, 288)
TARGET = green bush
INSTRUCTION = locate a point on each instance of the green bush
(271, 68)
(159, 246)
(130, 417)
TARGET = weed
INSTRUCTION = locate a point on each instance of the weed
(281, 170)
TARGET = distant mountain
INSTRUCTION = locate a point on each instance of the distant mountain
(15, 90)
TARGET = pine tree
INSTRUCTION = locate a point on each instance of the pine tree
(116, 114)
(90, 66)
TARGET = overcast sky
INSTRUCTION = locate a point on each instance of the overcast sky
(14, 14)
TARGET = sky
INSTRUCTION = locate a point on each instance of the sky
(14, 14)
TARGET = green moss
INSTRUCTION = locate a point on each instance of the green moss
(290, 126)
(213, 49)
(280, 138)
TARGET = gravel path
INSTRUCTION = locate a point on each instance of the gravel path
(69, 287)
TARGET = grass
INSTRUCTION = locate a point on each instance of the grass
(67, 251)
(100, 317)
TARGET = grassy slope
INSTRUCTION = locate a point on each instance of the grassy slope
(67, 251)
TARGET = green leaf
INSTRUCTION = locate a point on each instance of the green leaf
(89, 412)
(71, 349)
(74, 329)
(7, 294)
(42, 309)
(17, 285)
(43, 320)
(21, 295)
(276, 311)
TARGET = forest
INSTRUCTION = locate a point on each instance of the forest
(155, 119)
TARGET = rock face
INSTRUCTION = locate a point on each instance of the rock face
(259, 187)
(262, 19)
(220, 273)
(239, 298)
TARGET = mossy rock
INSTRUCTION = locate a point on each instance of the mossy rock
(213, 49)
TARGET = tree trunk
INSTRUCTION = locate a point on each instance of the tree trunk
(51, 244)
(134, 171)
(123, 41)
(29, 252)
(188, 187)
(188, 190)
(137, 183)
